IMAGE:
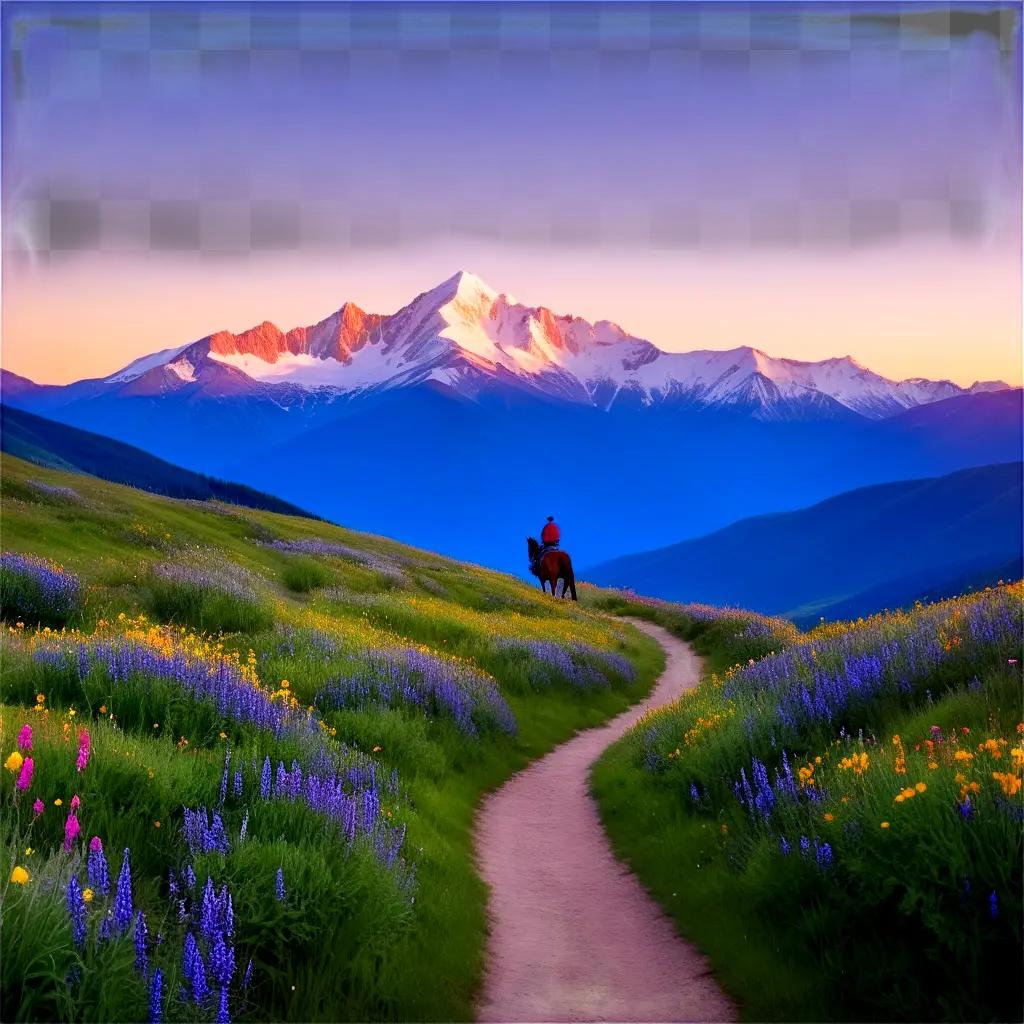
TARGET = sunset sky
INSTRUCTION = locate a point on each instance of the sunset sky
(814, 180)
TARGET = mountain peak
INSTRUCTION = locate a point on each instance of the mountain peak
(465, 285)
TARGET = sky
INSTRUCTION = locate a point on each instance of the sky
(812, 179)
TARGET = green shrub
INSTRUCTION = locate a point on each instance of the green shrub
(302, 575)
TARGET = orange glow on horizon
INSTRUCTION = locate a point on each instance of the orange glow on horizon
(943, 312)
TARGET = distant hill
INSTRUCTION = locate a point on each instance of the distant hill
(58, 446)
(875, 547)
(903, 593)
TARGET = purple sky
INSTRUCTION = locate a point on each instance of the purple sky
(178, 168)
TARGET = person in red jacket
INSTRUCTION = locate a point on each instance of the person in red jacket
(550, 535)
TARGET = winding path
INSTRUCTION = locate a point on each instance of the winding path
(574, 936)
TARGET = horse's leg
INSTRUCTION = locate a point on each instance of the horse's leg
(570, 579)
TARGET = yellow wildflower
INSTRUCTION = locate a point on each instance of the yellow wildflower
(829, 816)
(885, 824)
(14, 761)
(19, 876)
(920, 787)
(87, 895)
(58, 802)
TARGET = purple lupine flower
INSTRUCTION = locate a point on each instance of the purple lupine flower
(764, 800)
(694, 793)
(965, 808)
(219, 682)
(238, 784)
(407, 677)
(209, 916)
(203, 833)
(805, 845)
(141, 938)
(247, 977)
(223, 1016)
(190, 876)
(784, 846)
(76, 910)
(279, 885)
(993, 905)
(40, 590)
(195, 970)
(243, 831)
(123, 907)
(222, 961)
(823, 854)
(224, 779)
(156, 995)
(265, 779)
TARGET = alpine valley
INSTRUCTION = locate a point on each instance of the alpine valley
(460, 421)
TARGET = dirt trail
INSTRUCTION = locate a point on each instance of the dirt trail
(574, 936)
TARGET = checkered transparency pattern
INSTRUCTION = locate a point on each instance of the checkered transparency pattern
(219, 199)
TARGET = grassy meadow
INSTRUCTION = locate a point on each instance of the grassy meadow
(242, 753)
(835, 817)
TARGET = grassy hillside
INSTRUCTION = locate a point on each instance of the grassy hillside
(898, 540)
(59, 446)
(835, 816)
(243, 752)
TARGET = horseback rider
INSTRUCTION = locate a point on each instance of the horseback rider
(550, 536)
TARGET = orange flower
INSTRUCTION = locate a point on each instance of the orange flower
(1010, 784)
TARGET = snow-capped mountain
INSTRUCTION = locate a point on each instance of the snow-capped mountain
(465, 337)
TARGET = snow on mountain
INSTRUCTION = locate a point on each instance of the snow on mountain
(137, 367)
(465, 336)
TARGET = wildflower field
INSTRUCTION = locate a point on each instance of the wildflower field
(835, 817)
(241, 754)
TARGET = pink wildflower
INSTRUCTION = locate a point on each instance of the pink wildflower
(75, 803)
(71, 830)
(84, 746)
(96, 844)
(38, 807)
(25, 775)
(25, 737)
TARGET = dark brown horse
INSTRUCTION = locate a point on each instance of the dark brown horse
(552, 567)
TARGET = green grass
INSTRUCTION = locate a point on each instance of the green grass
(898, 925)
(356, 940)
